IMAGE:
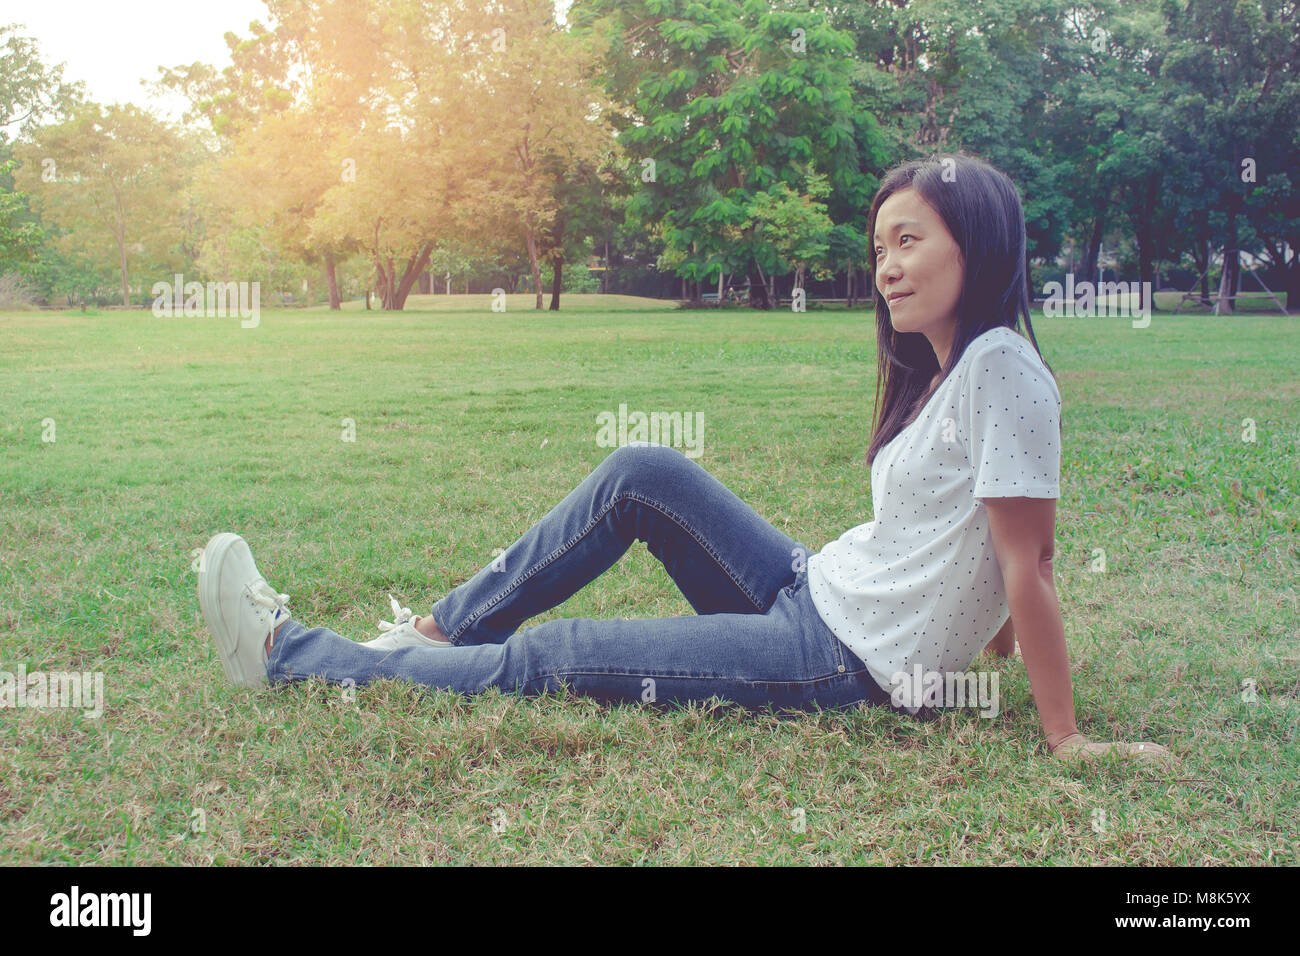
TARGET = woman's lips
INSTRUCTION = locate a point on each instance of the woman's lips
(899, 299)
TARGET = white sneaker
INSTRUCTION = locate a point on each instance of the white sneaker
(241, 609)
(401, 632)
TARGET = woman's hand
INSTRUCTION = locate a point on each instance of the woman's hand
(1077, 746)
(1002, 652)
(1004, 641)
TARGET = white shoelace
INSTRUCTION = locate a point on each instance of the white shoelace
(400, 616)
(264, 596)
(268, 597)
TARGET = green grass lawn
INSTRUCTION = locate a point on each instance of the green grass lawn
(469, 426)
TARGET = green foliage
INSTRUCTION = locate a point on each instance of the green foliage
(30, 90)
(1165, 132)
(738, 107)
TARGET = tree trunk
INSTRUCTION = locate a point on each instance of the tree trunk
(331, 279)
(557, 263)
(1146, 239)
(381, 283)
(391, 290)
(531, 238)
(758, 294)
(1202, 261)
(390, 286)
(1090, 254)
(415, 268)
(401, 289)
(1145, 264)
(121, 264)
(1291, 275)
(1228, 281)
(604, 276)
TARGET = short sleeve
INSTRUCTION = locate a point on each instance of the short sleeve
(1012, 422)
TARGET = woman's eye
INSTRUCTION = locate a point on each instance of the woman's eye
(881, 249)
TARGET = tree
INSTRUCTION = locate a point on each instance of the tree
(796, 225)
(1136, 159)
(584, 209)
(1232, 76)
(444, 117)
(542, 125)
(30, 91)
(110, 178)
(276, 161)
(727, 103)
(21, 235)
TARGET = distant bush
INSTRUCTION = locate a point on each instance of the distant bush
(16, 292)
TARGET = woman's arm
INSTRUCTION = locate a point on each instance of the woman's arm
(1024, 539)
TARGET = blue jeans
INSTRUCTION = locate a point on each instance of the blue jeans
(755, 641)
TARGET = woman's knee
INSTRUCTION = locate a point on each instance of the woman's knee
(645, 464)
(644, 459)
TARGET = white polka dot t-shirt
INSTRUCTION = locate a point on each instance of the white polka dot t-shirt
(920, 583)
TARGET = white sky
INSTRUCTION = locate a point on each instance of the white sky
(114, 44)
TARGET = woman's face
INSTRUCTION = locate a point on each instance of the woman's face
(917, 255)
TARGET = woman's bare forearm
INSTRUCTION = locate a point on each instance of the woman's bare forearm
(1031, 595)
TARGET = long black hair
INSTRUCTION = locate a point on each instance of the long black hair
(981, 208)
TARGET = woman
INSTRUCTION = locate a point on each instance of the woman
(965, 461)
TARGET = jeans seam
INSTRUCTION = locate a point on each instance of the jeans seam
(839, 654)
(703, 543)
(586, 529)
